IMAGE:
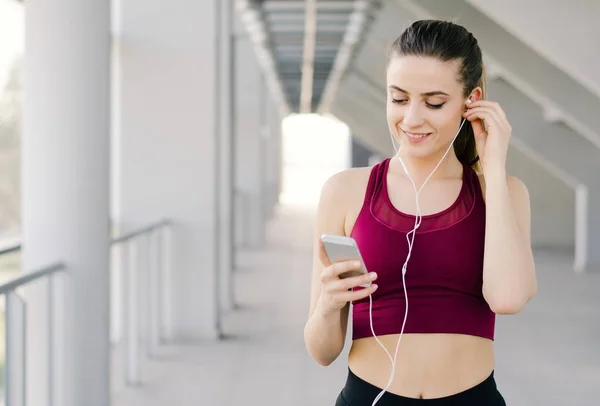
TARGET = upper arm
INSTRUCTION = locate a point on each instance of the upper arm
(331, 214)
(519, 196)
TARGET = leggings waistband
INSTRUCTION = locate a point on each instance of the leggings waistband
(358, 392)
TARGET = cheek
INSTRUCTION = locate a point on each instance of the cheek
(444, 122)
(393, 113)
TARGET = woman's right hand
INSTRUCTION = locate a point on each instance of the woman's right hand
(337, 292)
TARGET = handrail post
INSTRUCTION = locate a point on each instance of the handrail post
(166, 278)
(16, 314)
(131, 319)
(51, 340)
(154, 258)
(116, 293)
(143, 266)
(57, 339)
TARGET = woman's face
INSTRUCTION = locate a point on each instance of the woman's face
(425, 104)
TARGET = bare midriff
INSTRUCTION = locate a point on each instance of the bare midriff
(427, 366)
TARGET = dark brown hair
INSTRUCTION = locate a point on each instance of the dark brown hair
(448, 41)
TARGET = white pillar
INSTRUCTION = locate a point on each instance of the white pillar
(169, 153)
(249, 99)
(118, 251)
(593, 227)
(226, 154)
(264, 136)
(65, 186)
(273, 159)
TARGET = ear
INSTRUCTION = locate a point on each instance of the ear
(476, 94)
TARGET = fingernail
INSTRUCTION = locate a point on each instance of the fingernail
(372, 275)
(356, 264)
(374, 287)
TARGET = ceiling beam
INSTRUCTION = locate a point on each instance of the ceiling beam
(308, 58)
(254, 23)
(357, 27)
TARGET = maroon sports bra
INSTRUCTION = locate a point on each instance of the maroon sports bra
(444, 275)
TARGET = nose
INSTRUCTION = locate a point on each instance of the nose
(413, 116)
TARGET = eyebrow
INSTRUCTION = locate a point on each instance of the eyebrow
(427, 94)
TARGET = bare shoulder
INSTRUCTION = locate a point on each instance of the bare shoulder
(343, 194)
(348, 181)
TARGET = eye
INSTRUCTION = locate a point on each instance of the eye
(398, 101)
(435, 106)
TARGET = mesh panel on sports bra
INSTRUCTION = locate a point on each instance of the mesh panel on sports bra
(383, 210)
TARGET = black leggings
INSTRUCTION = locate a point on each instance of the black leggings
(358, 392)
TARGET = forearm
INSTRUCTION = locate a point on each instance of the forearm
(509, 271)
(324, 335)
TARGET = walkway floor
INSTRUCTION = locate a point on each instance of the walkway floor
(548, 355)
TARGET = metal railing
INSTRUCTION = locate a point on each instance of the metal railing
(10, 247)
(15, 329)
(145, 256)
(146, 249)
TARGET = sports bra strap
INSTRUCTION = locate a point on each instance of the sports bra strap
(375, 180)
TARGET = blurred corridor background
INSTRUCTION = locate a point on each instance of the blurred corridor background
(160, 165)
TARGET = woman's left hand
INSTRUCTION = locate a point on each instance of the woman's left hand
(492, 144)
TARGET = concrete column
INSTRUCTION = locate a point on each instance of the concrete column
(264, 142)
(169, 152)
(226, 154)
(273, 158)
(65, 186)
(250, 91)
(117, 252)
(277, 151)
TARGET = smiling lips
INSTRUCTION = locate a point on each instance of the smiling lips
(416, 137)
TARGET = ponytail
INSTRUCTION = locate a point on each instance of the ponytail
(464, 145)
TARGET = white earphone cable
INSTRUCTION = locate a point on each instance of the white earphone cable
(410, 241)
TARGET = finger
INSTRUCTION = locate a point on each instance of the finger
(352, 282)
(334, 271)
(484, 110)
(490, 119)
(488, 114)
(323, 257)
(345, 266)
(476, 124)
(352, 296)
(487, 104)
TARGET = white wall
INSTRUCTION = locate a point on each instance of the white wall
(552, 203)
(251, 126)
(167, 159)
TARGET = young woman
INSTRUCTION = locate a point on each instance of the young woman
(423, 331)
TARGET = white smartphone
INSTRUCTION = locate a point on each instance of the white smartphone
(341, 248)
